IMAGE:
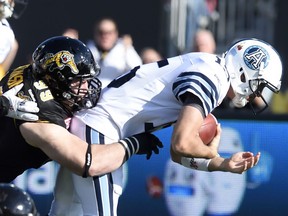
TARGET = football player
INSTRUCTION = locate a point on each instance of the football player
(8, 43)
(60, 81)
(180, 90)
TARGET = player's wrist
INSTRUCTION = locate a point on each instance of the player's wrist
(217, 164)
(196, 163)
(131, 146)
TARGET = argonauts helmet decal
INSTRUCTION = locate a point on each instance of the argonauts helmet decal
(253, 65)
(254, 56)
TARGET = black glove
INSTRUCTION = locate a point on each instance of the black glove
(143, 143)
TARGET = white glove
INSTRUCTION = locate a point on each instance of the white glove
(20, 108)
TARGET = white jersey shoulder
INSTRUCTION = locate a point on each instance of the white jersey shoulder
(6, 39)
(148, 97)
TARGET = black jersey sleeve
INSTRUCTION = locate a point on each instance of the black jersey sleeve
(51, 111)
(4, 106)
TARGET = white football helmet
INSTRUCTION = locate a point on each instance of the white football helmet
(9, 8)
(253, 65)
(6, 8)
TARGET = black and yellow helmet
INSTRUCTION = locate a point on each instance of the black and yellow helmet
(59, 61)
(15, 201)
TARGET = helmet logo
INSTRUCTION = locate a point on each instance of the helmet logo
(254, 56)
(239, 47)
(59, 61)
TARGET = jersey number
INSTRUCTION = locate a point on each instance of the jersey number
(116, 83)
(45, 95)
(149, 127)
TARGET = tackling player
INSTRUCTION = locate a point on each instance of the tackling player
(180, 90)
(60, 81)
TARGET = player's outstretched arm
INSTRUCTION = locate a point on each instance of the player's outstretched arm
(237, 163)
(70, 151)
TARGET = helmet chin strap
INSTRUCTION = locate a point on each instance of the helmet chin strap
(256, 108)
(239, 100)
(261, 70)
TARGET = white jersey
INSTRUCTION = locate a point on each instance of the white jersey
(148, 97)
(144, 99)
(6, 39)
(116, 62)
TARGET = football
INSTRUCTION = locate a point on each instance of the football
(208, 129)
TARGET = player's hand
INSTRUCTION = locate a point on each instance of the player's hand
(240, 162)
(148, 143)
(144, 143)
(214, 144)
(20, 108)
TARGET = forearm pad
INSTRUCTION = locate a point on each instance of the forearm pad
(141, 144)
(131, 146)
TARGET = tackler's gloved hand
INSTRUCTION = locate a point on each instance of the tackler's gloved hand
(143, 143)
(20, 108)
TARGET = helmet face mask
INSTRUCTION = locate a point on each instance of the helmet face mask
(257, 87)
(253, 65)
(83, 98)
(61, 62)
